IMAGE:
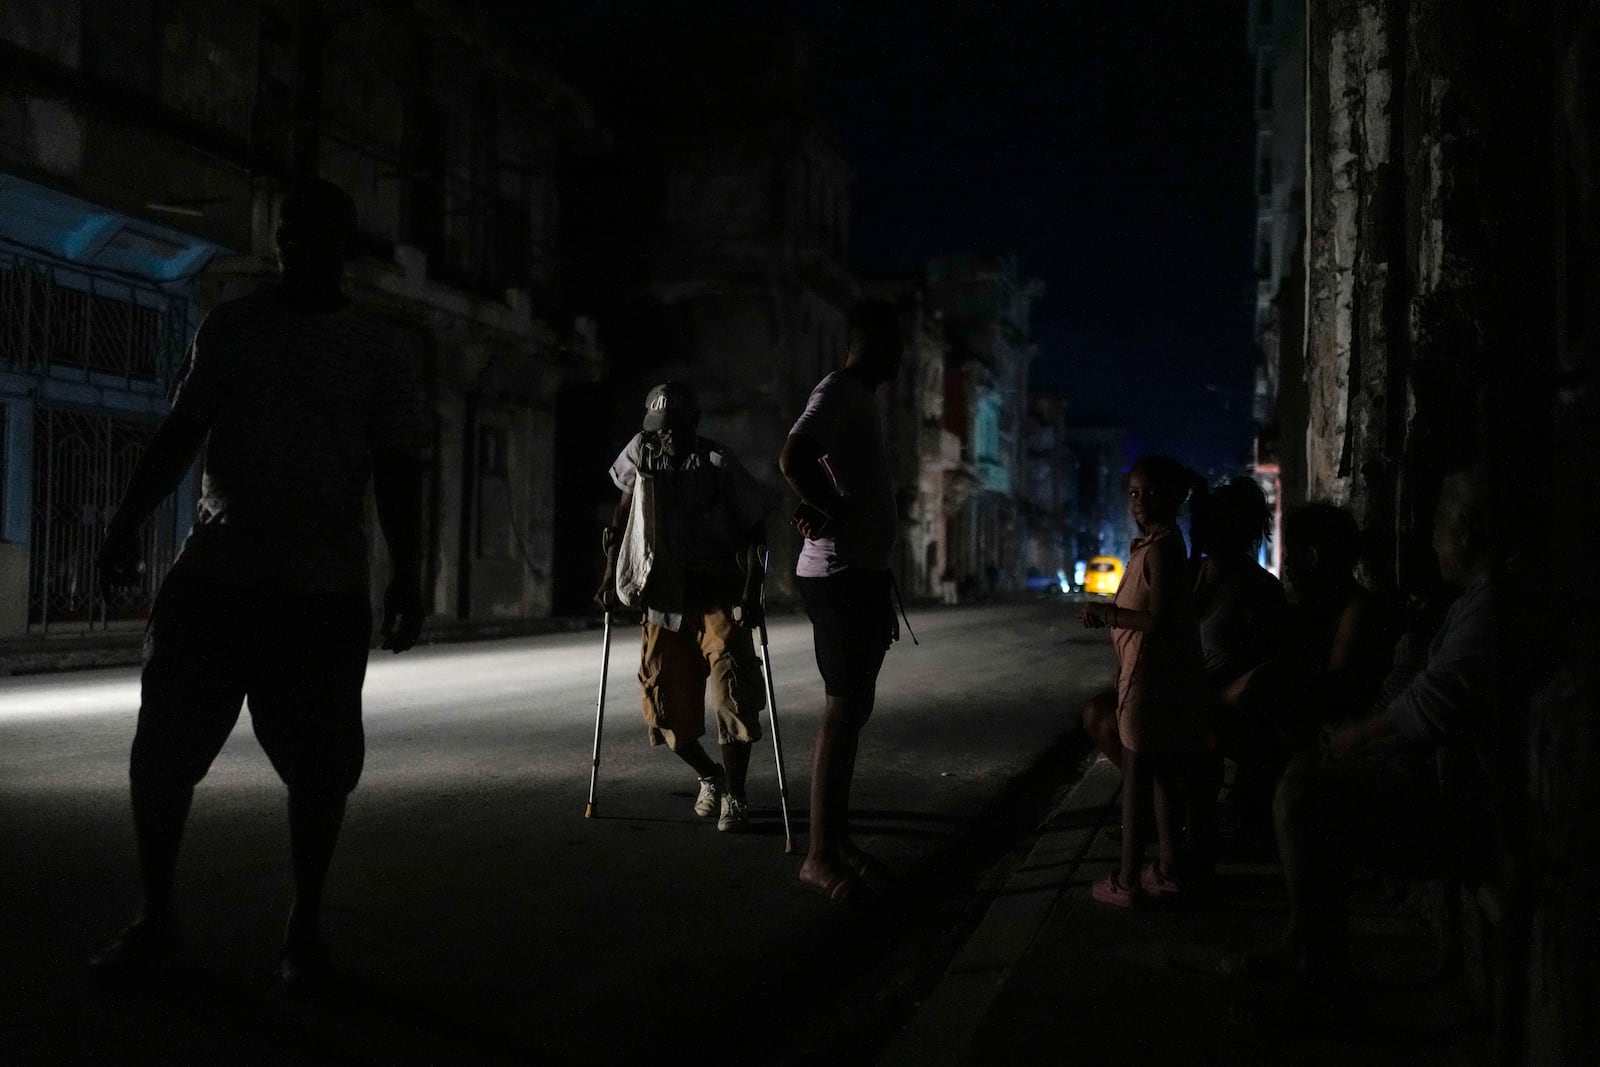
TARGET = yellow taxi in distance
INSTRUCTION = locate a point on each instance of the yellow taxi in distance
(1102, 576)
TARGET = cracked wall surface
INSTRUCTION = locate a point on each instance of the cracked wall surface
(1413, 223)
(1453, 238)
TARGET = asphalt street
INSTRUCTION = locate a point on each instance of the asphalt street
(475, 914)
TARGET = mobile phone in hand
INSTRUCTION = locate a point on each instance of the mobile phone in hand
(814, 517)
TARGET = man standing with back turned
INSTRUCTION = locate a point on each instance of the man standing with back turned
(837, 461)
(298, 399)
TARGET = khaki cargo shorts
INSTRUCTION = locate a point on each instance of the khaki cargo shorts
(674, 667)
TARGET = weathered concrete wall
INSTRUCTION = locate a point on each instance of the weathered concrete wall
(1451, 294)
(1411, 305)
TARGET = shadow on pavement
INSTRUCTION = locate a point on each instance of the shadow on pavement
(186, 1014)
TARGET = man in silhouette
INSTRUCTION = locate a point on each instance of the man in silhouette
(299, 400)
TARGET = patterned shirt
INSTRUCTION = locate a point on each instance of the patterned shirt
(298, 405)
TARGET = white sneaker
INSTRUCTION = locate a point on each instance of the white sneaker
(711, 791)
(735, 814)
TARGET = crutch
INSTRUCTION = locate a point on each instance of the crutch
(600, 717)
(772, 712)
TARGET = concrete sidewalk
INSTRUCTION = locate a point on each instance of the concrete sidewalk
(1050, 976)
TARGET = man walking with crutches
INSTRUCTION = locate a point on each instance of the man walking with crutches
(705, 515)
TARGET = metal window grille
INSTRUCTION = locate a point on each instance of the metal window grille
(54, 318)
(82, 461)
(59, 321)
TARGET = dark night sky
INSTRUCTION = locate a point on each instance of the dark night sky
(1107, 142)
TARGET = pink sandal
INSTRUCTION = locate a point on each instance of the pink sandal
(1156, 884)
(1109, 890)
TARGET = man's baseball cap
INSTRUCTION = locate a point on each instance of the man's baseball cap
(669, 404)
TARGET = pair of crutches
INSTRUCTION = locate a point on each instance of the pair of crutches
(772, 715)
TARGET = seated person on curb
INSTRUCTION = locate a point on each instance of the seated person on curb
(1377, 799)
(1242, 613)
(1339, 637)
(708, 526)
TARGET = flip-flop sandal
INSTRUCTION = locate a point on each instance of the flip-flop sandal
(845, 889)
(865, 865)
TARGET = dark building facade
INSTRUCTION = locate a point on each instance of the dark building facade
(985, 305)
(143, 149)
(708, 240)
(958, 424)
(1048, 551)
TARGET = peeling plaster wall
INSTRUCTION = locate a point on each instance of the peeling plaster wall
(1451, 291)
(1341, 72)
(1414, 204)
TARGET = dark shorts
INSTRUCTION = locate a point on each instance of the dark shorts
(299, 659)
(852, 618)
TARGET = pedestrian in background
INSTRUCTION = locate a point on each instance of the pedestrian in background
(1160, 727)
(704, 516)
(836, 460)
(299, 400)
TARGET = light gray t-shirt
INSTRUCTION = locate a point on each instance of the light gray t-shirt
(298, 405)
(1452, 698)
(842, 416)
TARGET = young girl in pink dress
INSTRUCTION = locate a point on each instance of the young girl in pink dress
(1159, 707)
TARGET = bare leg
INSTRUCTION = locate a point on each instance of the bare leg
(159, 814)
(833, 762)
(695, 756)
(1168, 788)
(314, 822)
(1100, 723)
(1135, 785)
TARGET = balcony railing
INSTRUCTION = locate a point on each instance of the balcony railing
(55, 317)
